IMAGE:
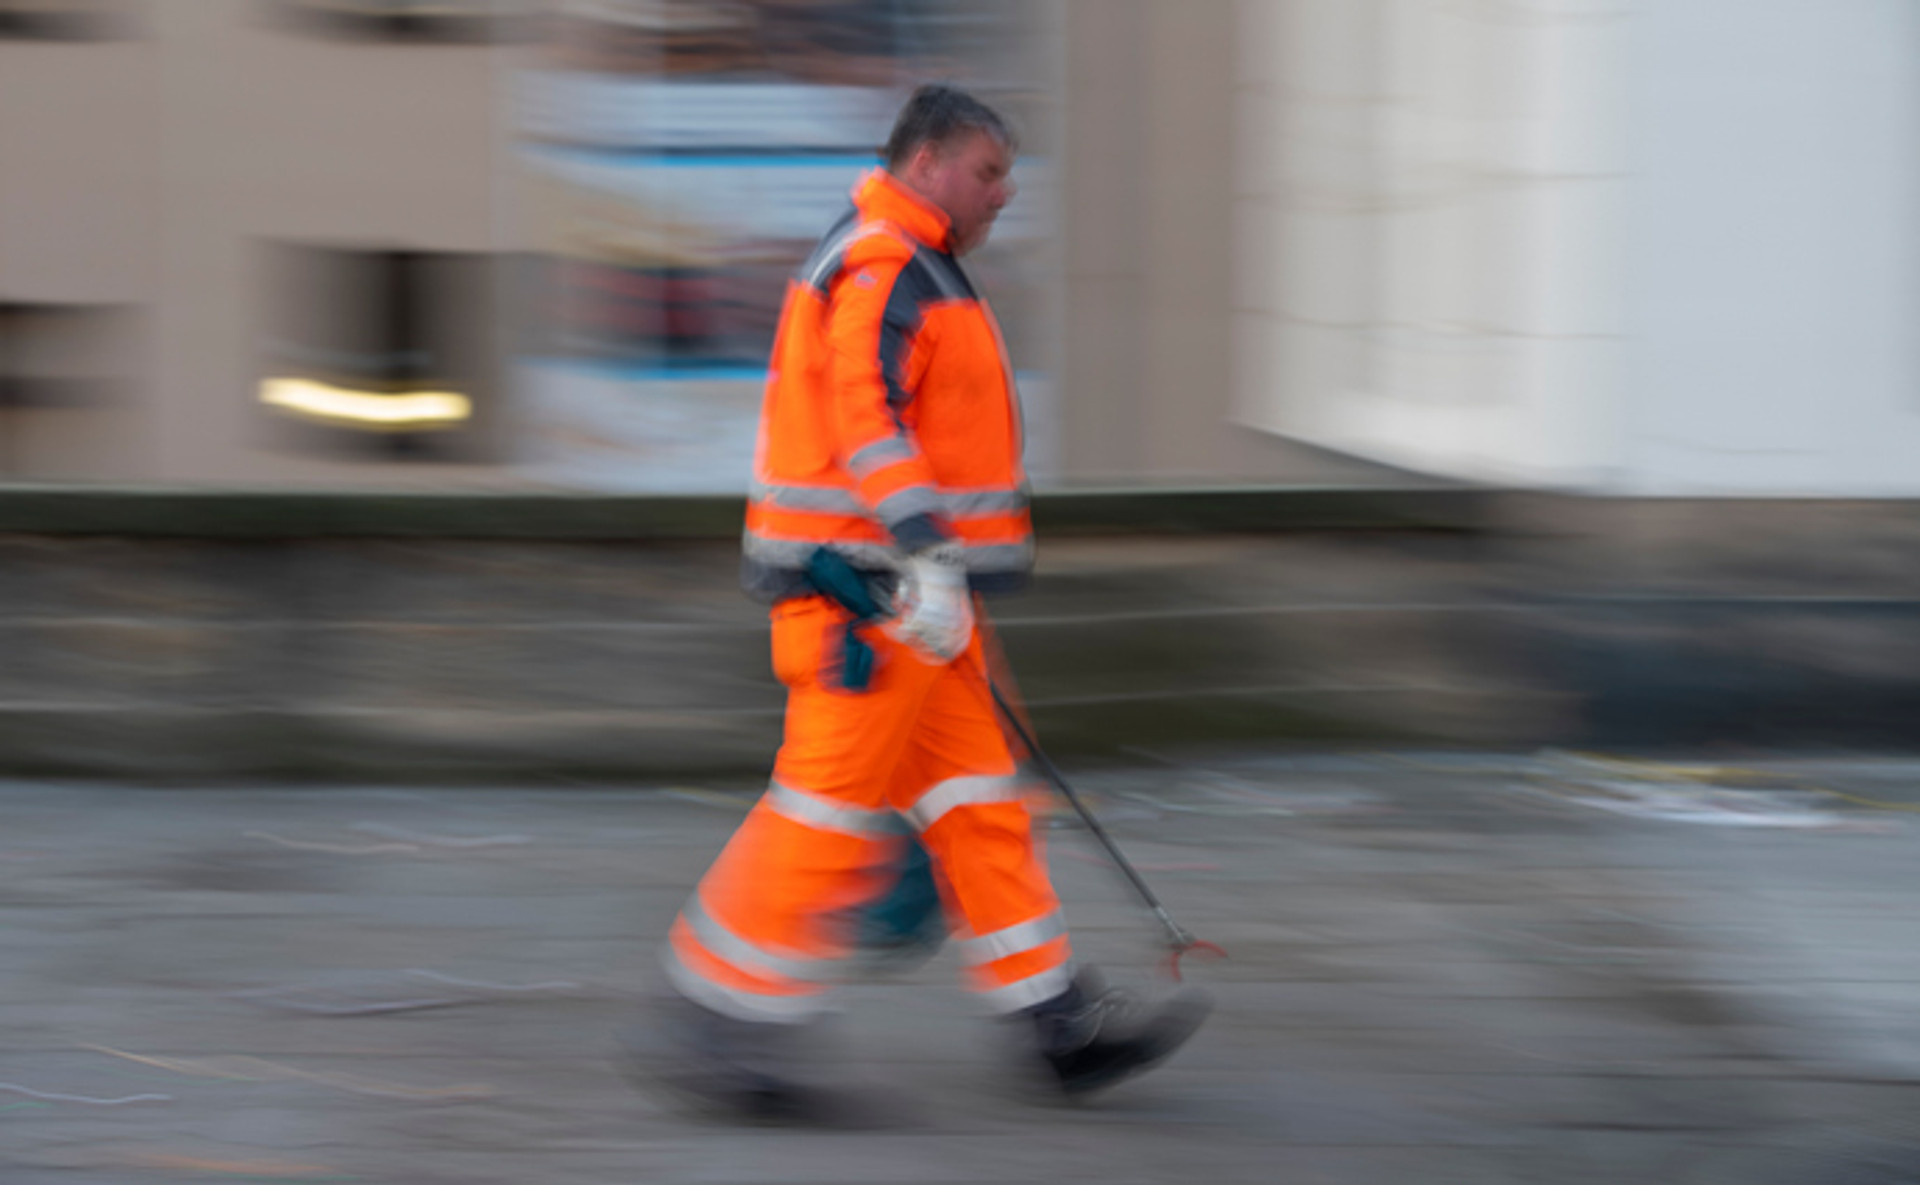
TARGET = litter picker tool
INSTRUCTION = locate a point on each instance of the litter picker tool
(1180, 939)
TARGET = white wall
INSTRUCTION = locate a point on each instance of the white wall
(1637, 246)
(1433, 206)
(1774, 288)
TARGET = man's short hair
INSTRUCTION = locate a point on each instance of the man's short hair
(938, 115)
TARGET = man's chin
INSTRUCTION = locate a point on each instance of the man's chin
(973, 242)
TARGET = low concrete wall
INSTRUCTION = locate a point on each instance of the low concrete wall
(470, 639)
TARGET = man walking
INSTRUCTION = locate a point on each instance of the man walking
(891, 436)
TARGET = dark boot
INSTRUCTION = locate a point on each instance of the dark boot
(740, 1071)
(1091, 1037)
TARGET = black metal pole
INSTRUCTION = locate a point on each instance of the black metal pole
(1180, 936)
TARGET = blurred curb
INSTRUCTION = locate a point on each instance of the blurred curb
(488, 637)
(160, 512)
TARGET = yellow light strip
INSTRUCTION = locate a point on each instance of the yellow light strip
(416, 410)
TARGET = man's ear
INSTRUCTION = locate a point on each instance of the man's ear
(923, 158)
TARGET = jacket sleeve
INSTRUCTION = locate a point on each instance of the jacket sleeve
(873, 316)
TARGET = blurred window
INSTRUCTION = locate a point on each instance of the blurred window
(63, 20)
(56, 359)
(882, 43)
(381, 353)
(414, 20)
(58, 355)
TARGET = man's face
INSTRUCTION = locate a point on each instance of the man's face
(968, 180)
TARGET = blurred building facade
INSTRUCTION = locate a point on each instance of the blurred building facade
(265, 191)
(1602, 245)
(538, 243)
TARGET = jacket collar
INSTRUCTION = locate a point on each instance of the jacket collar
(880, 195)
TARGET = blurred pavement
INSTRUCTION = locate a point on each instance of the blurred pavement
(1477, 968)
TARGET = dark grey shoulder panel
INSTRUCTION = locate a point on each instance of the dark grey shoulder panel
(818, 271)
(943, 274)
(914, 287)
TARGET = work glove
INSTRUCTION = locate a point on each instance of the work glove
(934, 609)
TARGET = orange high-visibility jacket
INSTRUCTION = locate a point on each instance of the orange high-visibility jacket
(891, 422)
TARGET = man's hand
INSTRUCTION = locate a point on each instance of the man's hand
(935, 611)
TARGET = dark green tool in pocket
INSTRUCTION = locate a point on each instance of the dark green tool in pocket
(846, 586)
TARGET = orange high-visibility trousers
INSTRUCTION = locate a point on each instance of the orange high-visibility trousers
(766, 931)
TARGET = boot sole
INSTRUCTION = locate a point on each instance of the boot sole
(1179, 1023)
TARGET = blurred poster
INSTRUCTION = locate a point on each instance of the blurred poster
(688, 154)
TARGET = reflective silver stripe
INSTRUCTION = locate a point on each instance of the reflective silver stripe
(793, 553)
(838, 500)
(904, 503)
(752, 1006)
(822, 499)
(1034, 989)
(955, 792)
(826, 815)
(977, 503)
(753, 959)
(834, 253)
(889, 450)
(1013, 940)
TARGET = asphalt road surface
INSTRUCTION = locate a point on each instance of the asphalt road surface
(1445, 968)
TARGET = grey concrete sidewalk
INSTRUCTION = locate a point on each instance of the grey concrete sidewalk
(1445, 969)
